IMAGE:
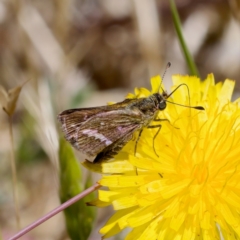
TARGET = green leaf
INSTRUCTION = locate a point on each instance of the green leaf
(79, 217)
(177, 23)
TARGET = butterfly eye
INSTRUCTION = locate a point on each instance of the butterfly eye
(162, 105)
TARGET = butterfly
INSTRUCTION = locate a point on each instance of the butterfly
(101, 132)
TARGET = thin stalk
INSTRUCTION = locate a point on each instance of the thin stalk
(14, 174)
(188, 57)
(55, 211)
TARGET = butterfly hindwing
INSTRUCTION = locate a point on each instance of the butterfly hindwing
(114, 148)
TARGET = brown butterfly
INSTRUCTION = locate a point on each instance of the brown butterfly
(103, 131)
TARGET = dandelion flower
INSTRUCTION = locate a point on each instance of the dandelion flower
(191, 190)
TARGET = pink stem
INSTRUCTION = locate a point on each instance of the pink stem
(55, 211)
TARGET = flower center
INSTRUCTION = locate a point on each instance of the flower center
(200, 173)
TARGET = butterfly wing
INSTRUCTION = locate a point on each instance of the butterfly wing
(96, 129)
(73, 118)
(115, 147)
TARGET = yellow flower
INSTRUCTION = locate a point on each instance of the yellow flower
(191, 190)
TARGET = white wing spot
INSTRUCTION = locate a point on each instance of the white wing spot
(119, 128)
(64, 124)
(96, 135)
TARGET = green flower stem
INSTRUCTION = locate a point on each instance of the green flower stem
(177, 23)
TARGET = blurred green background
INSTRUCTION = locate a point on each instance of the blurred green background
(87, 53)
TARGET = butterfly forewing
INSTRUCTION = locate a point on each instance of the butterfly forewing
(93, 130)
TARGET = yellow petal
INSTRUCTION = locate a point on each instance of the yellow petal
(225, 211)
(173, 189)
(98, 203)
(205, 221)
(145, 215)
(156, 83)
(226, 92)
(125, 202)
(150, 231)
(113, 221)
(178, 220)
(125, 181)
(117, 167)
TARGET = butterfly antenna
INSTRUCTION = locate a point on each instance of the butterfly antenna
(195, 107)
(164, 73)
(168, 66)
(183, 84)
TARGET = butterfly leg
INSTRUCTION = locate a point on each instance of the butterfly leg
(139, 135)
(161, 120)
(159, 126)
(153, 126)
(136, 170)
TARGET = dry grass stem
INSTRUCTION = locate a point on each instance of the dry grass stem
(14, 175)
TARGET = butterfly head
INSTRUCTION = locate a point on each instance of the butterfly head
(161, 100)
